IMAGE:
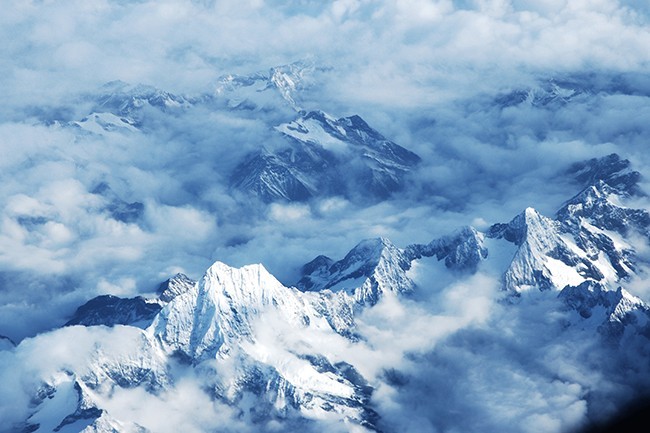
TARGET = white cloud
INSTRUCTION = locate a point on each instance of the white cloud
(424, 73)
(288, 213)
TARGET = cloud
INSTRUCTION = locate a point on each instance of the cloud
(427, 75)
(503, 373)
(403, 45)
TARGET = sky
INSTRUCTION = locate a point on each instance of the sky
(426, 74)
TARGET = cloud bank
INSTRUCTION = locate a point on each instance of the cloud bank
(433, 76)
(416, 72)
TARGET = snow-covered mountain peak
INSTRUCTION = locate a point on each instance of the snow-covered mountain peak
(321, 128)
(371, 250)
(372, 268)
(326, 156)
(103, 123)
(218, 313)
(545, 259)
(317, 128)
(585, 242)
(617, 173)
(175, 286)
(362, 260)
(126, 100)
(462, 250)
(250, 285)
(529, 225)
(550, 92)
(288, 79)
(609, 310)
(253, 91)
(219, 320)
(603, 206)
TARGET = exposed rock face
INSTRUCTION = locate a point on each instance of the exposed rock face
(175, 286)
(370, 269)
(111, 310)
(610, 310)
(325, 156)
(461, 251)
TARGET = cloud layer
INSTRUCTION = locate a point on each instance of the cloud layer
(429, 75)
(425, 75)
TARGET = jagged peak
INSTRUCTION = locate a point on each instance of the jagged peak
(110, 310)
(459, 235)
(319, 262)
(287, 80)
(291, 74)
(530, 213)
(618, 303)
(371, 250)
(603, 206)
(179, 276)
(318, 115)
(219, 310)
(595, 191)
(356, 127)
(352, 128)
(612, 170)
(520, 227)
(374, 266)
(221, 271)
(462, 250)
(468, 230)
(356, 122)
(126, 101)
(248, 284)
(383, 241)
(174, 286)
(366, 255)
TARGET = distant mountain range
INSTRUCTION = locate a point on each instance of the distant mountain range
(557, 91)
(322, 156)
(326, 157)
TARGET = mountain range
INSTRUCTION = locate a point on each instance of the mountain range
(258, 345)
(236, 349)
(318, 155)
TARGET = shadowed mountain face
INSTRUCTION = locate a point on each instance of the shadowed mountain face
(561, 90)
(111, 310)
(315, 155)
(327, 157)
(612, 170)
